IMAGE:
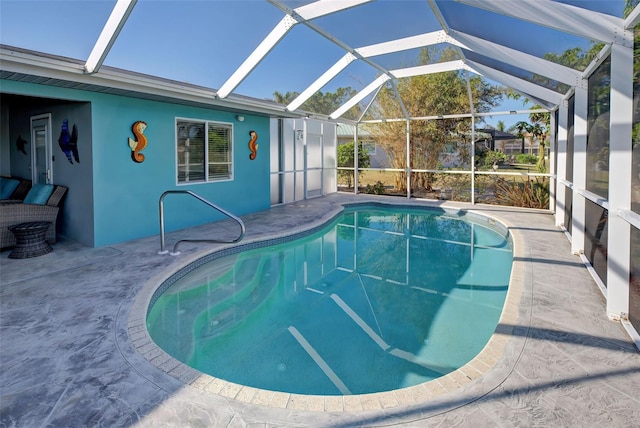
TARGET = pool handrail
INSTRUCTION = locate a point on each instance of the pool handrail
(175, 251)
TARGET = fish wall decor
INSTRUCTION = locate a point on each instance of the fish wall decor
(20, 143)
(68, 142)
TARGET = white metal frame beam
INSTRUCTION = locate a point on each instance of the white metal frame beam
(517, 58)
(325, 7)
(558, 16)
(301, 14)
(360, 96)
(366, 52)
(493, 50)
(332, 72)
(531, 89)
(633, 19)
(252, 61)
(579, 180)
(561, 167)
(399, 74)
(621, 168)
(109, 34)
(420, 70)
(403, 44)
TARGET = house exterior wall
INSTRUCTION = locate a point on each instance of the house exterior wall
(5, 149)
(75, 220)
(121, 196)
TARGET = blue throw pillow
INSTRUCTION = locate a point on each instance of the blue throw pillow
(39, 194)
(7, 186)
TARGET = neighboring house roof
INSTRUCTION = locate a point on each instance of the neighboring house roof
(345, 130)
(498, 135)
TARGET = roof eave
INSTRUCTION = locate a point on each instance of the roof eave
(18, 60)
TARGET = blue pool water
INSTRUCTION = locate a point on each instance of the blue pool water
(380, 299)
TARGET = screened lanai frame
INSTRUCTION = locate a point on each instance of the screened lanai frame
(620, 220)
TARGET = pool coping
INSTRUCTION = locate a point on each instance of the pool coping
(475, 371)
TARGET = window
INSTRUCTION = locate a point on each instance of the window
(204, 151)
(371, 148)
(596, 242)
(598, 132)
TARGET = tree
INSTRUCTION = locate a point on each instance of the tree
(501, 126)
(285, 98)
(345, 159)
(322, 102)
(538, 129)
(576, 58)
(629, 5)
(635, 135)
(426, 95)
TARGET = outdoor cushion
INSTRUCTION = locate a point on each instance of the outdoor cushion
(7, 186)
(39, 194)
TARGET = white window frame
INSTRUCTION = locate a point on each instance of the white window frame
(206, 124)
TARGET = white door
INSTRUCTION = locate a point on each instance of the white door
(41, 151)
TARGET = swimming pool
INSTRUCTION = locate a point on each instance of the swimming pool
(379, 299)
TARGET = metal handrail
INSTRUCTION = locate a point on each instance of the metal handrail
(175, 251)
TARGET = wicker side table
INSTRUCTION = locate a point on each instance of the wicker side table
(30, 239)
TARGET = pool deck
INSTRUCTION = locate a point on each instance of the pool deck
(73, 352)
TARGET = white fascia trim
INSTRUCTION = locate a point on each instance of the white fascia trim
(404, 44)
(326, 7)
(17, 60)
(360, 96)
(537, 91)
(342, 63)
(429, 69)
(53, 68)
(558, 16)
(263, 49)
(517, 58)
(109, 34)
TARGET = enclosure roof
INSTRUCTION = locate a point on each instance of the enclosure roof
(237, 54)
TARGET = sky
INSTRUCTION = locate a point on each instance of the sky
(202, 42)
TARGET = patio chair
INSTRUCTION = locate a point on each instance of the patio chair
(14, 212)
(14, 188)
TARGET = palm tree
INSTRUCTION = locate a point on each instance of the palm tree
(539, 133)
(520, 127)
(539, 129)
(284, 98)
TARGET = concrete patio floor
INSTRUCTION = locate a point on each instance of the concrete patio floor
(70, 353)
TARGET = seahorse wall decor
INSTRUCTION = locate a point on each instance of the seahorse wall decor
(139, 143)
(253, 145)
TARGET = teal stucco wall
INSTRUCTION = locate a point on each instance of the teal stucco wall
(127, 193)
(124, 197)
